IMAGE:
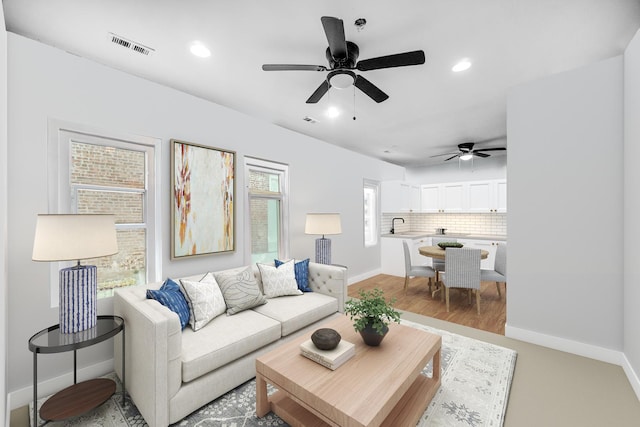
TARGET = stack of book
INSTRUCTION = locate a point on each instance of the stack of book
(331, 359)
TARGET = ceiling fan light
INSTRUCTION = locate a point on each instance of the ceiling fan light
(462, 65)
(466, 156)
(341, 80)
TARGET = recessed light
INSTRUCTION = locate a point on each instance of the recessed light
(332, 112)
(462, 65)
(199, 50)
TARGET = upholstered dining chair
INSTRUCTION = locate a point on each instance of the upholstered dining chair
(462, 270)
(415, 270)
(499, 273)
(438, 264)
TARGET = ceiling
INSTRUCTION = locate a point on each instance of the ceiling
(430, 109)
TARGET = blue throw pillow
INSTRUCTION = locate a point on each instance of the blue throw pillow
(301, 270)
(171, 297)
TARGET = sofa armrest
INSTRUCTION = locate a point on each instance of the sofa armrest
(329, 280)
(152, 358)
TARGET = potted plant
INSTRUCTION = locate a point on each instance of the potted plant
(371, 315)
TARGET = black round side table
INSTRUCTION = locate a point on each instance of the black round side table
(80, 397)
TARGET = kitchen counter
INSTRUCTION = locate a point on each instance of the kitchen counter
(422, 234)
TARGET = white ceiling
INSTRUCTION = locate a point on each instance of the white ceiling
(430, 109)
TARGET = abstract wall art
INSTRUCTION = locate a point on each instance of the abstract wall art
(203, 193)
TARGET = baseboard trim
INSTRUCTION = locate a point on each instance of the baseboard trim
(631, 375)
(23, 396)
(574, 347)
(363, 276)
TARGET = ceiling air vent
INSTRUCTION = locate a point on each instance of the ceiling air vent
(130, 44)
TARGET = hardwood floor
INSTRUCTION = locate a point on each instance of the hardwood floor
(493, 309)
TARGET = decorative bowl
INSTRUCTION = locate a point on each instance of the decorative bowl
(445, 245)
(326, 338)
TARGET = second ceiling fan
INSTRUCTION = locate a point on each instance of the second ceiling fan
(466, 152)
(342, 56)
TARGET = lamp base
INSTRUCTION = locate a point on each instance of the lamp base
(323, 250)
(78, 298)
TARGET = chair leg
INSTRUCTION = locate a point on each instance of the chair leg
(498, 288)
(478, 300)
(430, 285)
(406, 283)
(446, 293)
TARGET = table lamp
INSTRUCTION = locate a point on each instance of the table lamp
(75, 237)
(323, 223)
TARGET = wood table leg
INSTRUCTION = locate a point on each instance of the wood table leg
(262, 400)
(436, 366)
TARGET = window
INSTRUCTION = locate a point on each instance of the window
(370, 192)
(112, 175)
(267, 213)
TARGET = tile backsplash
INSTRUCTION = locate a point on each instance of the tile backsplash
(494, 224)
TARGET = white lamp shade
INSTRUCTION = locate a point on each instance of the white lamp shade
(323, 223)
(74, 237)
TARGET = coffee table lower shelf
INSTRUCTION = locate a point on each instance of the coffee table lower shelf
(407, 411)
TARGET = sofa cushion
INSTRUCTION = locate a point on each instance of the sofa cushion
(301, 269)
(240, 289)
(279, 280)
(296, 312)
(171, 297)
(205, 300)
(224, 339)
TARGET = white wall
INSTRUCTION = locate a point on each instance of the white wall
(565, 210)
(494, 167)
(48, 83)
(3, 217)
(632, 210)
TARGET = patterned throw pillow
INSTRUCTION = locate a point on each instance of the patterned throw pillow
(301, 269)
(205, 300)
(278, 281)
(240, 290)
(170, 296)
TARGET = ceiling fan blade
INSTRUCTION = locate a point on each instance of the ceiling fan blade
(444, 154)
(452, 157)
(334, 29)
(492, 149)
(370, 89)
(415, 57)
(479, 154)
(293, 67)
(319, 93)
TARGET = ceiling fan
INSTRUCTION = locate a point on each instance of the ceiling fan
(466, 152)
(342, 56)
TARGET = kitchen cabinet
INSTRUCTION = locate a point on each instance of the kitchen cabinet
(487, 196)
(392, 254)
(490, 246)
(400, 196)
(441, 198)
(465, 197)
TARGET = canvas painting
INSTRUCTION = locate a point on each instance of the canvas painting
(203, 187)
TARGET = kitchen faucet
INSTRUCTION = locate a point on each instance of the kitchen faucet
(393, 226)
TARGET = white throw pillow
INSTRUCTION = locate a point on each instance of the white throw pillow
(205, 300)
(279, 281)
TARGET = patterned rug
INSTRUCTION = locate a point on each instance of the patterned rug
(476, 377)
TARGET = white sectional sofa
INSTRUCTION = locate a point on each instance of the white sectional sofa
(172, 372)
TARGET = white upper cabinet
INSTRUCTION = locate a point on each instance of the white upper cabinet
(465, 197)
(400, 196)
(487, 196)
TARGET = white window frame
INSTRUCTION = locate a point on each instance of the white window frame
(62, 193)
(375, 186)
(281, 169)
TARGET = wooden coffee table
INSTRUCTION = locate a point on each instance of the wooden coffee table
(378, 386)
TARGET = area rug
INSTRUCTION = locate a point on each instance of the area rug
(476, 378)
